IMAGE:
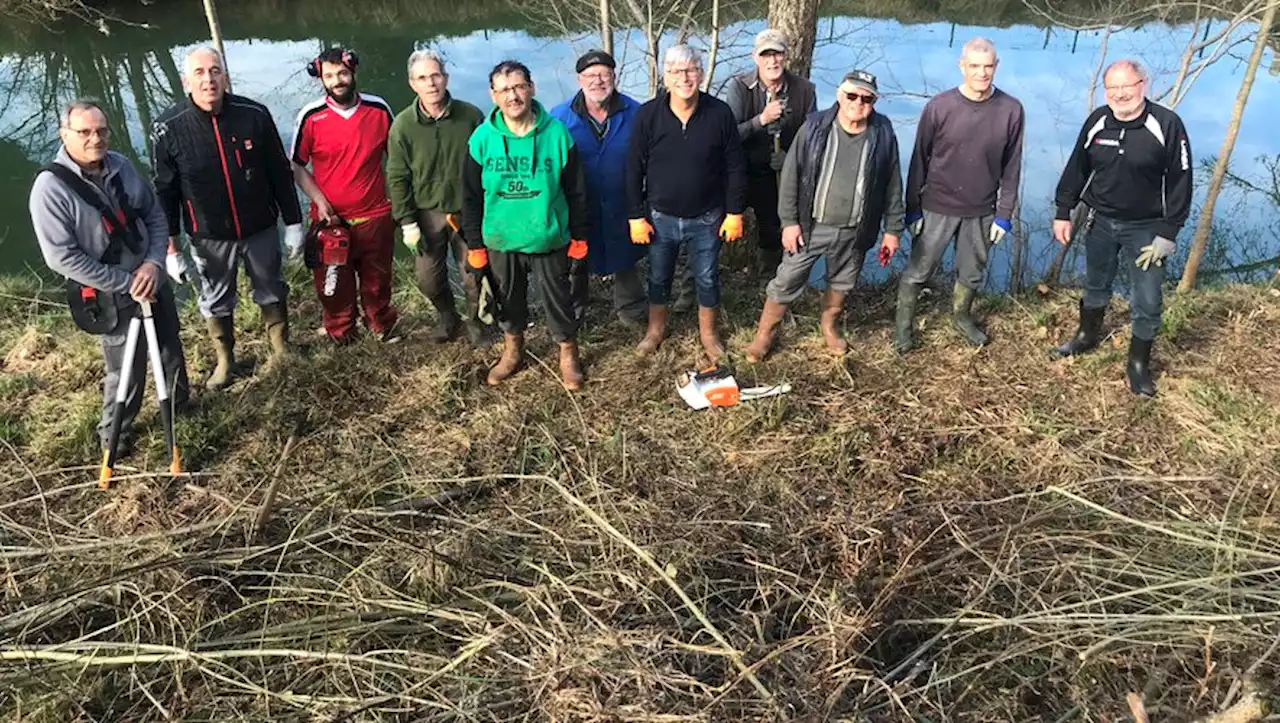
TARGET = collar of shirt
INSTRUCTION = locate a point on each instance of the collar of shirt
(424, 117)
(612, 106)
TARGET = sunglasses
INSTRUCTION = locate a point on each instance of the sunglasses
(862, 98)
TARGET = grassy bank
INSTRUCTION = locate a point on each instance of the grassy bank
(956, 536)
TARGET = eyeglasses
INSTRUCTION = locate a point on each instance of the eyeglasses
(860, 98)
(687, 72)
(85, 134)
(596, 77)
(1127, 87)
(518, 88)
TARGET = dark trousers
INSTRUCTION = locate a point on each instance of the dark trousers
(1109, 243)
(431, 266)
(629, 299)
(551, 270)
(366, 279)
(172, 360)
(762, 197)
(701, 235)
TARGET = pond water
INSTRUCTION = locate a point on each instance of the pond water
(135, 70)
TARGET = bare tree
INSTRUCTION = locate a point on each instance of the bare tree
(799, 20)
(1200, 240)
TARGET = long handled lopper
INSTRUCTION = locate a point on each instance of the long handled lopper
(142, 320)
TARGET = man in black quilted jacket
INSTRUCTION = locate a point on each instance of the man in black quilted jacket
(221, 170)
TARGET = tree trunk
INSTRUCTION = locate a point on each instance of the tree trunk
(606, 28)
(215, 34)
(1205, 223)
(715, 46)
(799, 20)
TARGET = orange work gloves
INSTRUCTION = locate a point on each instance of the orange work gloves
(641, 231)
(731, 229)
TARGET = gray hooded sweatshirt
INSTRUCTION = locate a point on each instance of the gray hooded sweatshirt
(70, 231)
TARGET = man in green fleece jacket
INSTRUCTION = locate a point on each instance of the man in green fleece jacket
(425, 151)
(524, 201)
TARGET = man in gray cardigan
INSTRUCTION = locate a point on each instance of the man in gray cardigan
(769, 104)
(74, 239)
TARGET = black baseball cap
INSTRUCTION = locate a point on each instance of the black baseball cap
(595, 57)
(859, 79)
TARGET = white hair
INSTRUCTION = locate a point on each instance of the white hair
(186, 68)
(979, 45)
(418, 56)
(681, 54)
(1129, 63)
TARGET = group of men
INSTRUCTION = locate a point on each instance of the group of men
(594, 185)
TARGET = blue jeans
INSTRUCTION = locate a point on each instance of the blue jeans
(1109, 243)
(702, 233)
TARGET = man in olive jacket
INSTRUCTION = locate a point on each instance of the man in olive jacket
(426, 150)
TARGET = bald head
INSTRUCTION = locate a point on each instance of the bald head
(205, 77)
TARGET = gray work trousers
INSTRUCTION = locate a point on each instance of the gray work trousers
(844, 263)
(218, 264)
(972, 237)
(171, 358)
(431, 265)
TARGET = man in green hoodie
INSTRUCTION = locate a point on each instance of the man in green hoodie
(425, 150)
(524, 201)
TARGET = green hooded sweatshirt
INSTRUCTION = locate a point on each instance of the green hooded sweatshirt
(523, 193)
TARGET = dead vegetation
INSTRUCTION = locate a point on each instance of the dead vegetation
(957, 536)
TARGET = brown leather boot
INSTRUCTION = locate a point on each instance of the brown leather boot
(656, 332)
(707, 333)
(512, 356)
(767, 331)
(832, 308)
(570, 366)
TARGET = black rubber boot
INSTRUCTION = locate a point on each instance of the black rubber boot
(1087, 337)
(1139, 367)
(962, 316)
(447, 321)
(904, 323)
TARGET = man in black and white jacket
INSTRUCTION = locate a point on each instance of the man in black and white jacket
(1132, 167)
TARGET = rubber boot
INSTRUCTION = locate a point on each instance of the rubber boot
(480, 336)
(656, 332)
(512, 355)
(223, 334)
(707, 333)
(447, 321)
(766, 331)
(1087, 337)
(962, 316)
(832, 308)
(275, 319)
(570, 366)
(905, 320)
(1139, 367)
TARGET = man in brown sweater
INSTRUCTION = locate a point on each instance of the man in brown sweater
(962, 184)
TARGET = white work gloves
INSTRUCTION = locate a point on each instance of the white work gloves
(411, 235)
(999, 227)
(293, 239)
(1155, 251)
(176, 266)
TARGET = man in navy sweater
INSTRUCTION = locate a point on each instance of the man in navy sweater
(962, 184)
(1132, 166)
(686, 172)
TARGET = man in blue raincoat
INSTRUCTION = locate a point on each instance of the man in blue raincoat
(599, 119)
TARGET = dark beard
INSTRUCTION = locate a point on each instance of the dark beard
(344, 97)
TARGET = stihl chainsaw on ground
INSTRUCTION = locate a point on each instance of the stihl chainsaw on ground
(716, 387)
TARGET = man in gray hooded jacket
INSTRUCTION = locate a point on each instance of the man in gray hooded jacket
(74, 239)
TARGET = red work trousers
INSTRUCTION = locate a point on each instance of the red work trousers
(368, 270)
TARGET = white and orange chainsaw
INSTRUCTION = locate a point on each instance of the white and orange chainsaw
(716, 387)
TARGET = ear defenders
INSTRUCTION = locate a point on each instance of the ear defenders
(349, 59)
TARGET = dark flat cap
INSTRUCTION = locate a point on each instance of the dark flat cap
(595, 57)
